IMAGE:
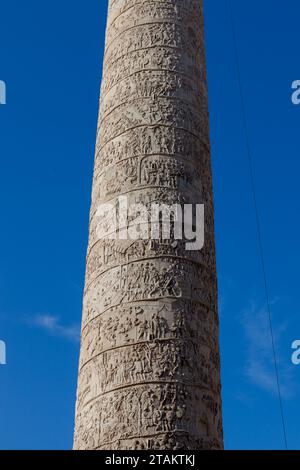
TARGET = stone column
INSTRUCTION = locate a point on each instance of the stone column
(149, 372)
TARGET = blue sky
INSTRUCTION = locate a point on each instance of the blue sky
(51, 58)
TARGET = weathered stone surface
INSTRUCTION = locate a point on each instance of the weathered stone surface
(149, 372)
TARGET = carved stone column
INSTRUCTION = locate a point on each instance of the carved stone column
(149, 372)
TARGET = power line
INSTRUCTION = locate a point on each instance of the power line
(258, 225)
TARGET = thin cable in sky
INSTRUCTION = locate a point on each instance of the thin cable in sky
(258, 225)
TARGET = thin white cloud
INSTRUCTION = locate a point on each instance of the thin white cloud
(52, 325)
(259, 368)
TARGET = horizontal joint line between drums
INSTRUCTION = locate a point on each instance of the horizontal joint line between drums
(168, 126)
(154, 382)
(110, 63)
(85, 325)
(137, 343)
(175, 72)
